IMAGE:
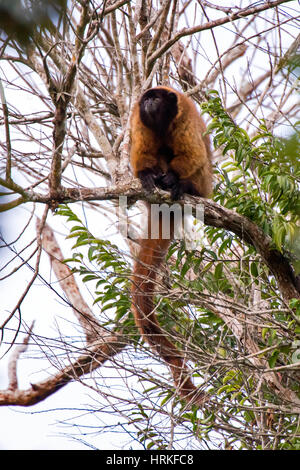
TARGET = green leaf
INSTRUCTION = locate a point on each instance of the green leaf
(219, 271)
(89, 277)
(272, 360)
(253, 269)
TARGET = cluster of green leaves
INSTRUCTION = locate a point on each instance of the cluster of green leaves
(260, 177)
(148, 436)
(104, 265)
(222, 271)
(99, 261)
(204, 332)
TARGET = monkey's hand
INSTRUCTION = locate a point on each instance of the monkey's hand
(170, 182)
(149, 178)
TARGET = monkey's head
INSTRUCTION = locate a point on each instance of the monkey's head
(158, 107)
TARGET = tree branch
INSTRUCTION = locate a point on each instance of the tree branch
(214, 215)
(243, 13)
(92, 358)
(12, 365)
(91, 327)
(101, 343)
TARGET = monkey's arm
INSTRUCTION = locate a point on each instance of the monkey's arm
(190, 156)
(144, 151)
(191, 163)
(190, 146)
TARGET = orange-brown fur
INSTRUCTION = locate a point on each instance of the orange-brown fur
(192, 155)
(192, 163)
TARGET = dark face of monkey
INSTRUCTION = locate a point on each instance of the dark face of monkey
(158, 108)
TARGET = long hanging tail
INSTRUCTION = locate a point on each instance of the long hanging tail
(152, 253)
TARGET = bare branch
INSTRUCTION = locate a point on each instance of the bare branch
(12, 365)
(91, 359)
(243, 13)
(64, 275)
(7, 134)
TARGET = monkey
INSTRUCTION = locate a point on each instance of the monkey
(168, 151)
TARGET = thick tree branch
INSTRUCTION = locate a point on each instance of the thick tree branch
(61, 97)
(92, 358)
(214, 215)
(101, 343)
(91, 327)
(220, 217)
(12, 365)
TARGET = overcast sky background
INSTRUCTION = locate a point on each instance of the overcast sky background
(41, 426)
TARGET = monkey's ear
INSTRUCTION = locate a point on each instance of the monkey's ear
(172, 97)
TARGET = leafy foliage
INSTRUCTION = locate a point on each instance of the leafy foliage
(110, 272)
(261, 175)
(219, 279)
(221, 276)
